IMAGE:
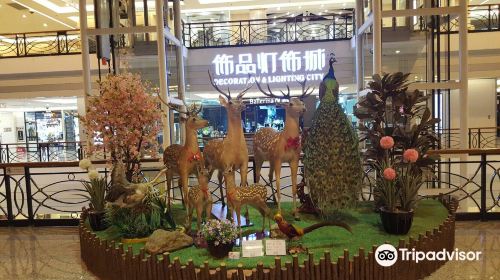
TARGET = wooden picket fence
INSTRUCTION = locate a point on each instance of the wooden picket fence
(110, 260)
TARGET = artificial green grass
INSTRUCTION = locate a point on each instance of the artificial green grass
(366, 227)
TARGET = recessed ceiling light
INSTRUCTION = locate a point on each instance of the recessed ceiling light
(326, 11)
(300, 7)
(319, 13)
(24, 16)
(398, 51)
(44, 25)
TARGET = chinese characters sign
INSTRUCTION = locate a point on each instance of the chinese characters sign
(269, 67)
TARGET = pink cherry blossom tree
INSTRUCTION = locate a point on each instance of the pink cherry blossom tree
(125, 115)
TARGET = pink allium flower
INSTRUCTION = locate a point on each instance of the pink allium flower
(386, 142)
(389, 174)
(410, 155)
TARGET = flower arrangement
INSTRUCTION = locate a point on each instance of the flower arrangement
(125, 115)
(219, 232)
(398, 130)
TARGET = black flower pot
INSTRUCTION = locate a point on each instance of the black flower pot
(96, 220)
(398, 222)
(219, 251)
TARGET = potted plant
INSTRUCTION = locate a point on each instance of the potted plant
(96, 190)
(398, 130)
(220, 237)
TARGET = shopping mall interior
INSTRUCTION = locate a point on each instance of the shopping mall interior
(353, 89)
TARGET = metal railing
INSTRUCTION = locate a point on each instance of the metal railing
(337, 26)
(41, 43)
(52, 193)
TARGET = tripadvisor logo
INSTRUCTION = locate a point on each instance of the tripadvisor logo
(387, 255)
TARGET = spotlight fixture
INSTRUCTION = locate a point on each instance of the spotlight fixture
(397, 51)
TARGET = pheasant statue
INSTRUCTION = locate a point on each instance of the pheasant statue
(332, 163)
(294, 232)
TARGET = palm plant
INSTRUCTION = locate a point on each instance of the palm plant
(96, 190)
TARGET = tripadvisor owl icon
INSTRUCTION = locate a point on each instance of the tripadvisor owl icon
(386, 255)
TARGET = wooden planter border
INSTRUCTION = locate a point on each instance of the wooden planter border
(108, 261)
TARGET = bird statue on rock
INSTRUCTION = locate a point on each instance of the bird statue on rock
(332, 163)
(295, 232)
(125, 194)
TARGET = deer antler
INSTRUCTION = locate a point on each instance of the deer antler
(305, 92)
(228, 94)
(175, 108)
(194, 110)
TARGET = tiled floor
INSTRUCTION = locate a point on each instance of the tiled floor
(53, 253)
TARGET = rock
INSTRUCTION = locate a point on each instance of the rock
(167, 241)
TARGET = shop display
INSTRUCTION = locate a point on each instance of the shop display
(184, 160)
(284, 146)
(400, 130)
(254, 195)
(199, 199)
(232, 151)
(96, 190)
(332, 163)
(123, 138)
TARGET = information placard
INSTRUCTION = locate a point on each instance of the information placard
(252, 248)
(275, 247)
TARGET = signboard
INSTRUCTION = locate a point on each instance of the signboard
(252, 248)
(269, 67)
(14, 170)
(275, 247)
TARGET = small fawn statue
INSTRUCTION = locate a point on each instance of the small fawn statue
(254, 195)
(199, 199)
(184, 159)
(285, 146)
(230, 152)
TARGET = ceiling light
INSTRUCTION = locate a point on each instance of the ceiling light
(287, 13)
(319, 13)
(398, 51)
(24, 16)
(45, 15)
(45, 25)
(279, 8)
(292, 15)
(274, 17)
(326, 11)
(300, 7)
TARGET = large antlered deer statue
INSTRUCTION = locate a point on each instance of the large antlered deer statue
(183, 160)
(278, 147)
(232, 151)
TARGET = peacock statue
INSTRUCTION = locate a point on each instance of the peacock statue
(332, 162)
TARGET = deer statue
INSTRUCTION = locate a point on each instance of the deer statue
(285, 146)
(199, 199)
(183, 160)
(232, 151)
(254, 195)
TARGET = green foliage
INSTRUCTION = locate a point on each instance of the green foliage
(390, 109)
(142, 220)
(96, 190)
(220, 232)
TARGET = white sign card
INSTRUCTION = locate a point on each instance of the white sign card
(275, 247)
(252, 248)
